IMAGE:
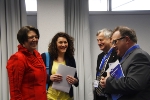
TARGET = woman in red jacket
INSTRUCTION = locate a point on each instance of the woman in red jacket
(26, 69)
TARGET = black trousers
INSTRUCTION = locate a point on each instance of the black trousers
(96, 97)
(101, 98)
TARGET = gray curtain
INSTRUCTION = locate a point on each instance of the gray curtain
(12, 17)
(77, 25)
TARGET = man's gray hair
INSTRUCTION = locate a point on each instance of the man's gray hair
(107, 32)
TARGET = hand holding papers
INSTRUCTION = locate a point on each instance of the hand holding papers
(64, 71)
(115, 70)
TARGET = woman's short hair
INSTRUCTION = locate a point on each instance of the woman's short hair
(22, 34)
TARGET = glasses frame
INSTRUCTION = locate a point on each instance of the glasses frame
(115, 41)
(32, 37)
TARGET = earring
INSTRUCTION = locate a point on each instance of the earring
(23, 45)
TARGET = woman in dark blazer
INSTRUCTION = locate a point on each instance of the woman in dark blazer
(61, 51)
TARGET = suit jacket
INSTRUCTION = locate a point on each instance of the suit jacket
(69, 62)
(113, 57)
(136, 83)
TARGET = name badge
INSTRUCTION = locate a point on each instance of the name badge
(96, 83)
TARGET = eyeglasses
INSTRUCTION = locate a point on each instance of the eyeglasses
(31, 37)
(115, 41)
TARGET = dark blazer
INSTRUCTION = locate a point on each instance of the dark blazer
(69, 62)
(136, 83)
(113, 57)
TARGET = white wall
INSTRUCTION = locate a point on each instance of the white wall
(32, 20)
(140, 23)
(50, 20)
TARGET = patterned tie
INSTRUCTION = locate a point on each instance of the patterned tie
(99, 88)
(102, 68)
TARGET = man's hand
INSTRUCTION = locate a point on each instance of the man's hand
(103, 80)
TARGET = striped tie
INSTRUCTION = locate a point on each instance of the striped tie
(99, 88)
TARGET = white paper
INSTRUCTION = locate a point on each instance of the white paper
(96, 83)
(112, 65)
(64, 71)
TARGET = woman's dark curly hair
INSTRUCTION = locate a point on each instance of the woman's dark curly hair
(52, 47)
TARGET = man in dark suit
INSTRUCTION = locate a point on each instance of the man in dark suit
(135, 63)
(104, 43)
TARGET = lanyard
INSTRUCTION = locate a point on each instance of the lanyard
(129, 50)
(104, 59)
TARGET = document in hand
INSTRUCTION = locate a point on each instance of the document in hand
(64, 71)
(116, 71)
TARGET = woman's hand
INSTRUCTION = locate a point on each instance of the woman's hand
(56, 78)
(71, 80)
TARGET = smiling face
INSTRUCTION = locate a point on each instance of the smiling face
(62, 44)
(103, 42)
(32, 41)
(120, 45)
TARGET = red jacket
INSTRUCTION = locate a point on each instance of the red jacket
(27, 75)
